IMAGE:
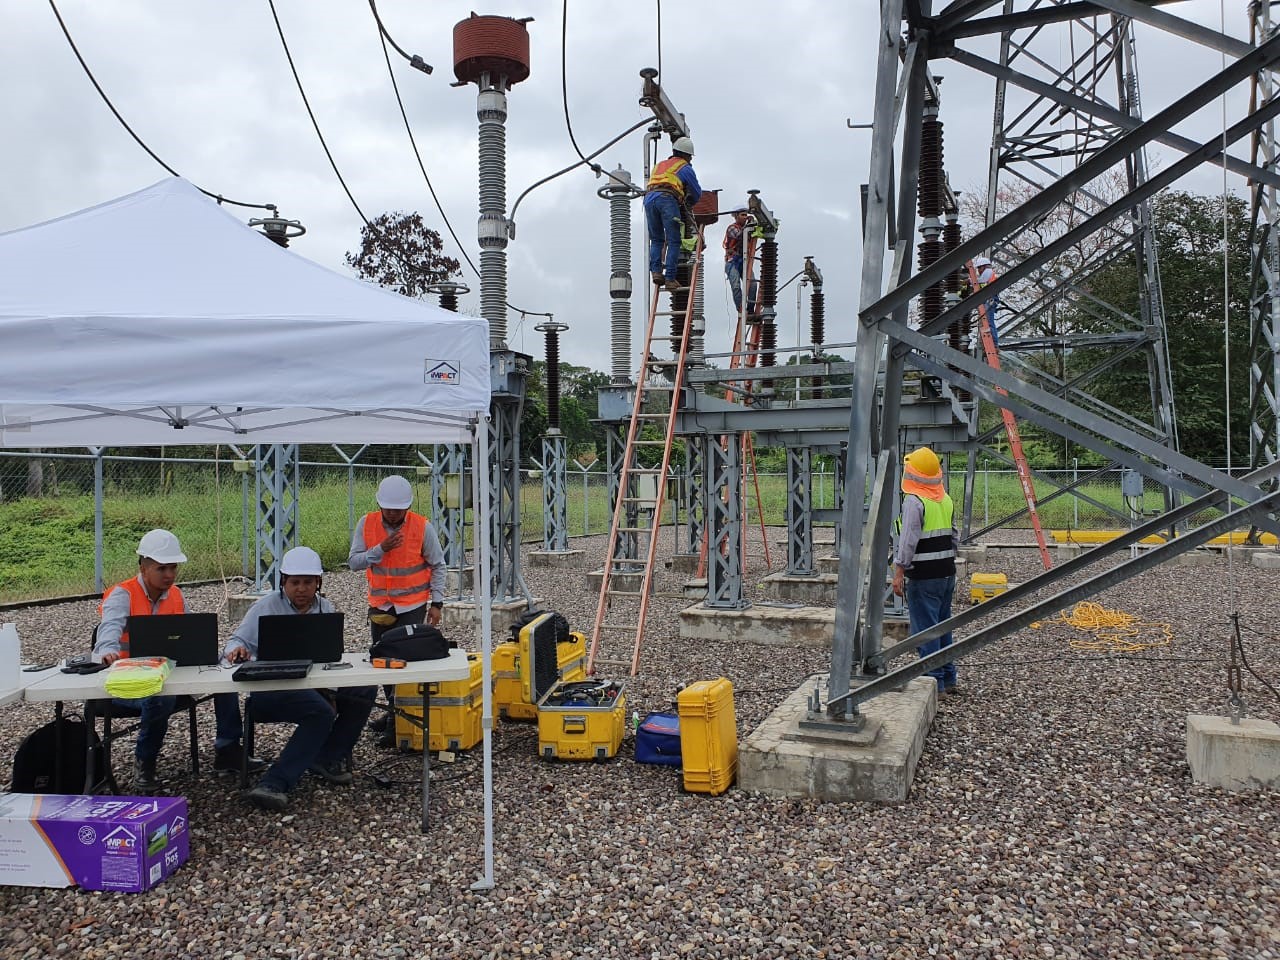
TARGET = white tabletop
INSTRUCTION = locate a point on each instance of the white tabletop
(199, 681)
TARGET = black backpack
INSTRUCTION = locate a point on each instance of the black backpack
(36, 768)
(413, 641)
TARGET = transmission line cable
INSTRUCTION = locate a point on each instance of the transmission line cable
(564, 83)
(137, 139)
(415, 61)
(660, 77)
(577, 163)
(414, 143)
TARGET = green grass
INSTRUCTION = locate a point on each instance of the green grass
(46, 544)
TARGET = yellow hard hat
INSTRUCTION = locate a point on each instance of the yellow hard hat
(923, 462)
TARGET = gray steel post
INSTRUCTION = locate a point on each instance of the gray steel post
(276, 525)
(722, 496)
(799, 512)
(98, 582)
(555, 528)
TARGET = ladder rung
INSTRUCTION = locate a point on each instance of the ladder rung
(639, 500)
(619, 627)
(634, 529)
(650, 443)
(625, 593)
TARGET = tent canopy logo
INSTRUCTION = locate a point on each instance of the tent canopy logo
(440, 371)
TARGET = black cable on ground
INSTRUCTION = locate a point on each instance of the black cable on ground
(137, 139)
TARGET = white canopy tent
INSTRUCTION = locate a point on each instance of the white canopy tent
(159, 318)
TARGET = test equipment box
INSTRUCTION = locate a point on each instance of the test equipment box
(984, 586)
(126, 844)
(708, 736)
(582, 720)
(455, 708)
(523, 672)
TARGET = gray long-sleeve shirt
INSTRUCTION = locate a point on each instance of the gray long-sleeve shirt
(363, 556)
(115, 614)
(273, 604)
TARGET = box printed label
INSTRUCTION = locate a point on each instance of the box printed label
(441, 371)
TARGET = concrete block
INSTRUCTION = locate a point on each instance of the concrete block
(766, 625)
(553, 558)
(1243, 756)
(461, 619)
(459, 582)
(1068, 551)
(695, 589)
(829, 564)
(1265, 560)
(818, 588)
(617, 581)
(1197, 558)
(685, 562)
(780, 759)
(975, 554)
(238, 605)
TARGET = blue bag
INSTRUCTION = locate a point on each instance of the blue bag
(658, 740)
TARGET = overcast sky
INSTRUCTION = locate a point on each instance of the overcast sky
(766, 87)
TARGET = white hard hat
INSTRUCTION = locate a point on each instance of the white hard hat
(301, 562)
(395, 493)
(981, 262)
(161, 546)
(682, 145)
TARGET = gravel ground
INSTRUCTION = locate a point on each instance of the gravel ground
(1052, 815)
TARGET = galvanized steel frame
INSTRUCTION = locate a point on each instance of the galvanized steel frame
(722, 491)
(555, 527)
(275, 488)
(799, 512)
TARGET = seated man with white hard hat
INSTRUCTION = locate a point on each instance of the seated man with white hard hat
(154, 591)
(328, 722)
(400, 553)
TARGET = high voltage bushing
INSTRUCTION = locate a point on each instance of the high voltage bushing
(277, 229)
(552, 329)
(493, 53)
(768, 301)
(958, 333)
(448, 291)
(929, 205)
(620, 191)
(817, 318)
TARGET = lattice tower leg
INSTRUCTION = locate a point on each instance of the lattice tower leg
(1264, 293)
(276, 523)
(693, 505)
(627, 546)
(504, 499)
(555, 529)
(449, 490)
(722, 496)
(799, 512)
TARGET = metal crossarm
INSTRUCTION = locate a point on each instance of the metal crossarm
(637, 507)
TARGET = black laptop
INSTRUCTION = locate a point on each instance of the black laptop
(188, 639)
(314, 637)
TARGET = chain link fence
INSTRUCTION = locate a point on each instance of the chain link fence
(54, 507)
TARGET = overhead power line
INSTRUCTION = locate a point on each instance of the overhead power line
(137, 139)
(415, 61)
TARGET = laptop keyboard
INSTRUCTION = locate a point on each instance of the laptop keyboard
(272, 670)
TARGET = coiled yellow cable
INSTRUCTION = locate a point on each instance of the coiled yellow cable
(1113, 631)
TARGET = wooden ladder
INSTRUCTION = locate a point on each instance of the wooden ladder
(637, 511)
(1010, 424)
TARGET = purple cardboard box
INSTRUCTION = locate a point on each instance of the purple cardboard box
(101, 843)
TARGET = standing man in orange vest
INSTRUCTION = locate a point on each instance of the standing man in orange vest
(672, 191)
(154, 591)
(401, 556)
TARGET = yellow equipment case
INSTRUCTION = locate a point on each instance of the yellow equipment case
(708, 736)
(582, 720)
(521, 674)
(454, 721)
(984, 586)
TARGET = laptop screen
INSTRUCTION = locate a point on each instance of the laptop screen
(301, 636)
(188, 639)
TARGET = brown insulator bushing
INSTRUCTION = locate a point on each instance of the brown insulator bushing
(769, 273)
(449, 301)
(768, 344)
(498, 46)
(929, 189)
(927, 253)
(551, 329)
(817, 331)
(680, 300)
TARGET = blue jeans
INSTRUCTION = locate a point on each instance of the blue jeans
(662, 215)
(154, 714)
(733, 270)
(323, 735)
(929, 603)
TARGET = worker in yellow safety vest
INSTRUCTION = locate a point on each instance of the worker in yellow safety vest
(671, 193)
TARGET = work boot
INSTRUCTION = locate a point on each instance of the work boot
(144, 776)
(673, 286)
(657, 279)
(266, 798)
(387, 738)
(335, 773)
(226, 760)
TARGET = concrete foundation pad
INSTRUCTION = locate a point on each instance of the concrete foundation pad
(1265, 560)
(458, 582)
(462, 617)
(877, 764)
(552, 558)
(617, 581)
(827, 564)
(1197, 558)
(685, 562)
(238, 605)
(817, 588)
(975, 554)
(1067, 551)
(766, 625)
(1243, 756)
(695, 589)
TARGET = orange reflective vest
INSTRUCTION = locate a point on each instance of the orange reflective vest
(665, 176)
(140, 605)
(402, 577)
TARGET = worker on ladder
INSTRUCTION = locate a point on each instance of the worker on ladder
(671, 193)
(734, 266)
(987, 274)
